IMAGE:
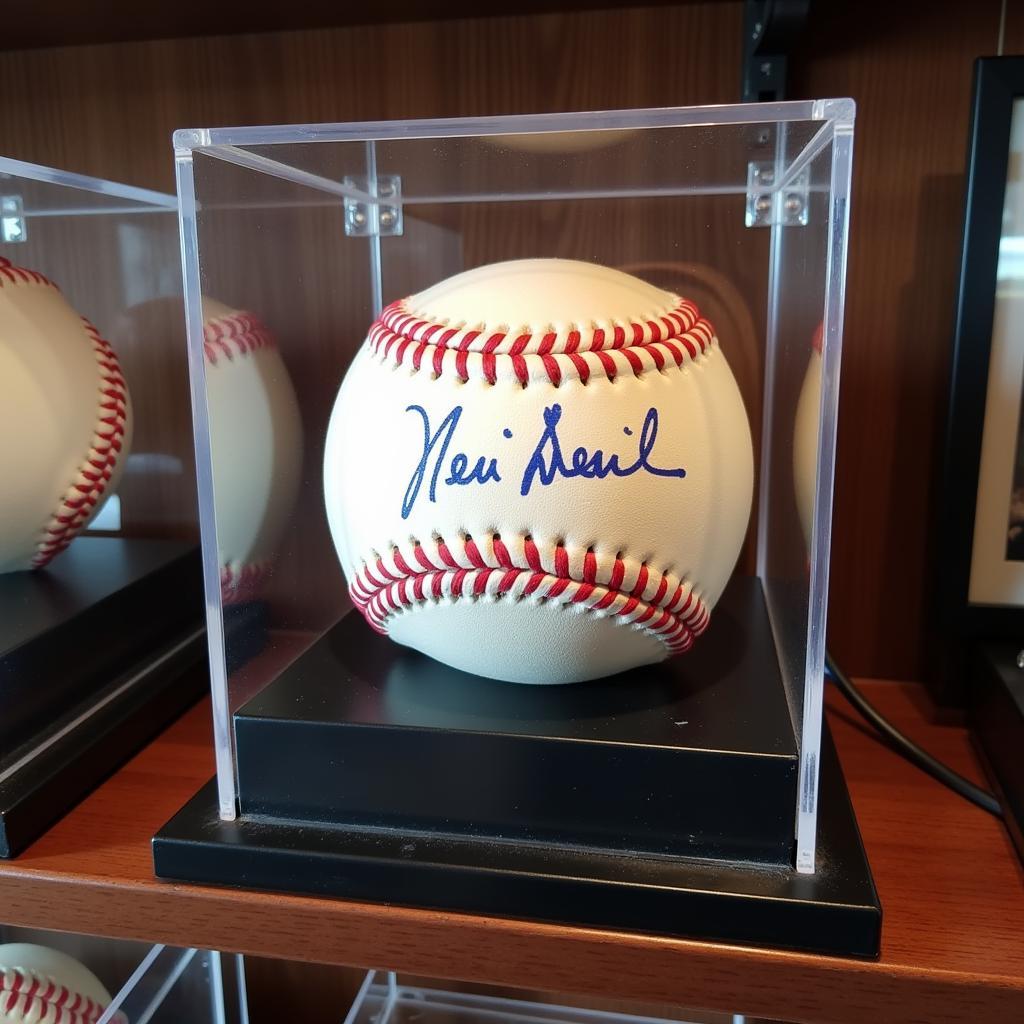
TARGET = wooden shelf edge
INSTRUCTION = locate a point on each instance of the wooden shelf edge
(501, 952)
(952, 946)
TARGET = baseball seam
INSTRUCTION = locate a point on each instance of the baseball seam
(552, 355)
(81, 497)
(665, 606)
(79, 500)
(37, 997)
(237, 334)
(11, 274)
(241, 582)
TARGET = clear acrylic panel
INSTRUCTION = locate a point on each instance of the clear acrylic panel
(113, 251)
(147, 984)
(169, 986)
(387, 997)
(313, 228)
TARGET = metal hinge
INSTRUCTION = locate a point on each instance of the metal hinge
(768, 205)
(376, 208)
(13, 227)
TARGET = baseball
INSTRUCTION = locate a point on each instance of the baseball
(39, 985)
(256, 445)
(65, 410)
(539, 471)
(805, 439)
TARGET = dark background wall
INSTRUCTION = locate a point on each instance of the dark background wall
(108, 110)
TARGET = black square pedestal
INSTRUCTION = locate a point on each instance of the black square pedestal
(98, 652)
(660, 800)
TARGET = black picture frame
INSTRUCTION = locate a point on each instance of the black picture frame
(957, 623)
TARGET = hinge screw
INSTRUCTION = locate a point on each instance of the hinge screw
(793, 205)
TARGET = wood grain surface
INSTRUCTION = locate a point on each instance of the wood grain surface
(909, 66)
(951, 887)
(109, 110)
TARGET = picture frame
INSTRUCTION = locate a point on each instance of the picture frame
(977, 550)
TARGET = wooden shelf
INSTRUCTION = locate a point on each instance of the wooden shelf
(951, 887)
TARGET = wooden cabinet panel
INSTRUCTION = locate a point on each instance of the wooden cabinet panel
(109, 110)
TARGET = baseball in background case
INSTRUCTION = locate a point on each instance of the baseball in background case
(697, 795)
(101, 625)
(159, 984)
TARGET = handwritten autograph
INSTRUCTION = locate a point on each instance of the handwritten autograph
(545, 465)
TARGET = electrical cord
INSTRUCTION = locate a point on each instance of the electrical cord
(907, 747)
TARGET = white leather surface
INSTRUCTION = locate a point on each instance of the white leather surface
(63, 969)
(49, 408)
(692, 527)
(538, 295)
(256, 444)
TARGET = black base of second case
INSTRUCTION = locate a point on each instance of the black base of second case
(834, 911)
(661, 800)
(694, 757)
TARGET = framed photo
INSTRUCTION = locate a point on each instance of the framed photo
(978, 550)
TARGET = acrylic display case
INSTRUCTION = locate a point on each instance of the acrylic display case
(387, 997)
(699, 797)
(152, 984)
(93, 645)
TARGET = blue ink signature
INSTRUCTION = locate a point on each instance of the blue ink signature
(545, 464)
(547, 461)
(459, 472)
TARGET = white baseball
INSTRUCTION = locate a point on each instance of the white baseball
(805, 439)
(39, 985)
(65, 417)
(255, 443)
(539, 471)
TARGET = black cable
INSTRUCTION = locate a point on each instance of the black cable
(907, 747)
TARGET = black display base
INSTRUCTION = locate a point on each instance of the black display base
(997, 723)
(660, 800)
(97, 654)
(98, 609)
(246, 629)
(693, 757)
(40, 783)
(834, 911)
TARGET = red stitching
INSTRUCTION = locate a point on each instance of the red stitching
(242, 583)
(236, 334)
(34, 996)
(81, 498)
(632, 593)
(11, 274)
(473, 351)
(82, 494)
